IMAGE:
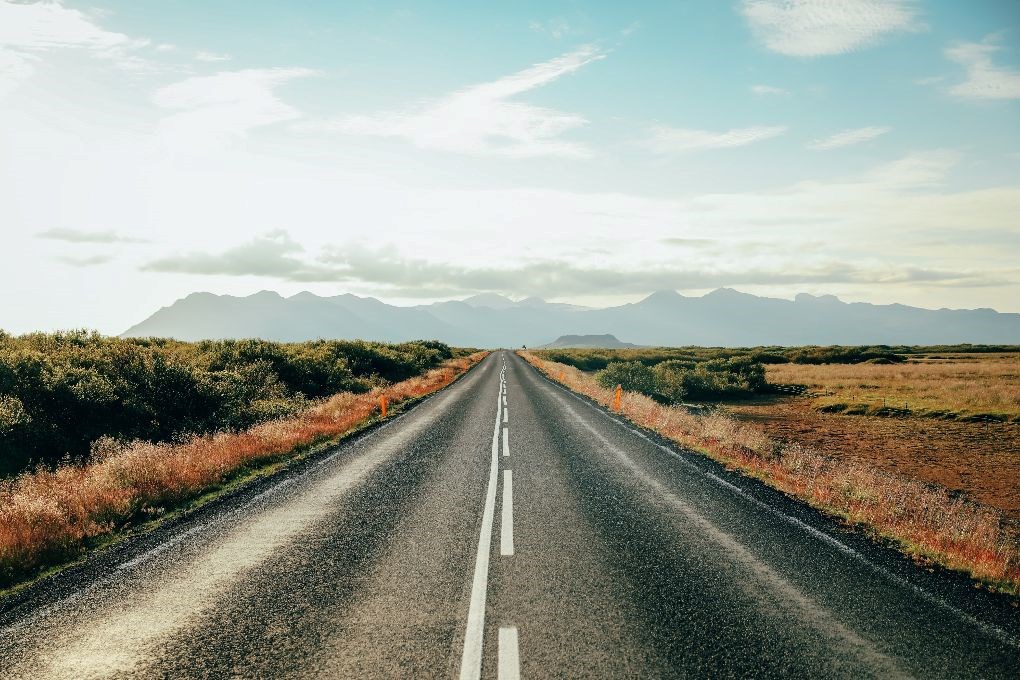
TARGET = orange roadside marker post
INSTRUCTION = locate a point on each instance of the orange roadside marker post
(382, 404)
(616, 402)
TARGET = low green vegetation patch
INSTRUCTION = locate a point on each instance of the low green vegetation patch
(63, 395)
(678, 380)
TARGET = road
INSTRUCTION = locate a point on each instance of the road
(504, 528)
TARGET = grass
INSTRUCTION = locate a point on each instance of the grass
(50, 516)
(924, 520)
(955, 387)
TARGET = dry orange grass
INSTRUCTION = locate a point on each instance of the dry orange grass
(923, 518)
(957, 384)
(48, 516)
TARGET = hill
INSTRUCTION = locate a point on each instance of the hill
(604, 341)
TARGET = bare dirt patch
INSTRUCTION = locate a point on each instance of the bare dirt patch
(981, 460)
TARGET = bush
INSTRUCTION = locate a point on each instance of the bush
(709, 380)
(60, 392)
(632, 375)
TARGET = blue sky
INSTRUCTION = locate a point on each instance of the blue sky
(422, 151)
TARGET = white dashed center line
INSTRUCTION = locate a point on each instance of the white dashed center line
(506, 442)
(509, 667)
(506, 530)
(471, 660)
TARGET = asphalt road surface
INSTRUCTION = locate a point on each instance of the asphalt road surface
(504, 528)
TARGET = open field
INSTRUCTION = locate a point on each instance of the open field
(943, 490)
(946, 386)
(948, 418)
(980, 460)
(49, 516)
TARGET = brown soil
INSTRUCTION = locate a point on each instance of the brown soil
(980, 460)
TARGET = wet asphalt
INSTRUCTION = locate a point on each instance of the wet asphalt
(629, 558)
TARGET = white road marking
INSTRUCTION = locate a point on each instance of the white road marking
(504, 399)
(506, 526)
(471, 660)
(162, 547)
(506, 442)
(509, 667)
(506, 414)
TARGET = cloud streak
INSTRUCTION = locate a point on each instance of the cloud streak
(273, 254)
(27, 30)
(483, 119)
(985, 80)
(768, 89)
(813, 28)
(669, 140)
(276, 255)
(848, 138)
(227, 104)
(86, 236)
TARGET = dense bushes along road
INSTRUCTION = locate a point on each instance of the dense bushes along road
(64, 393)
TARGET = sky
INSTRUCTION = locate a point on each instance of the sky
(581, 152)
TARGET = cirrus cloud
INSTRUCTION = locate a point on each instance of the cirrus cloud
(812, 28)
(483, 119)
(665, 139)
(848, 138)
(985, 79)
(28, 30)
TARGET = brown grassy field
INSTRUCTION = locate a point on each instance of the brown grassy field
(926, 520)
(979, 460)
(949, 386)
(928, 430)
(49, 516)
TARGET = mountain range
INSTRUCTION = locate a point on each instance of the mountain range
(724, 317)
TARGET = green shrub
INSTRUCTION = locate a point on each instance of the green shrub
(632, 375)
(60, 392)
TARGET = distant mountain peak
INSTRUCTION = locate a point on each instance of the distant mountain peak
(664, 296)
(727, 293)
(491, 300)
(809, 298)
(602, 341)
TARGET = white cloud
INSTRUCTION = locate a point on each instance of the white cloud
(227, 104)
(29, 30)
(768, 89)
(212, 56)
(917, 170)
(557, 28)
(811, 28)
(14, 68)
(848, 138)
(665, 139)
(985, 80)
(483, 119)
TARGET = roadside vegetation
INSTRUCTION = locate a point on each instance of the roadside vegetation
(949, 382)
(54, 511)
(939, 385)
(64, 394)
(927, 521)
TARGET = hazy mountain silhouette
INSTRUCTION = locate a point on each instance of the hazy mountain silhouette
(604, 341)
(724, 317)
